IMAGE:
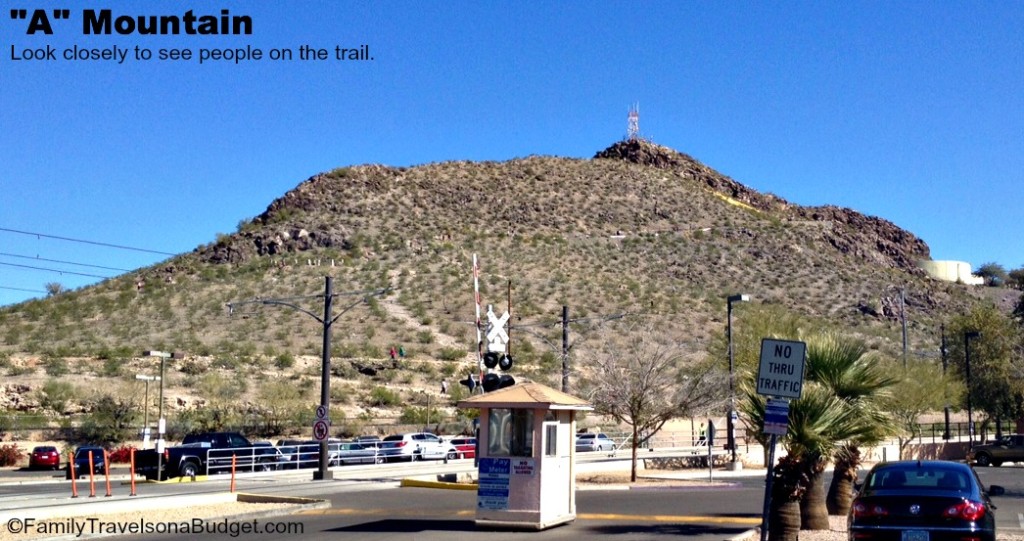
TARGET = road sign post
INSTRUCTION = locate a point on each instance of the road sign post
(781, 377)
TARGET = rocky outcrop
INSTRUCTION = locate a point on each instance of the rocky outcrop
(869, 238)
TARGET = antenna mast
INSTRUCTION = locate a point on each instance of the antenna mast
(633, 125)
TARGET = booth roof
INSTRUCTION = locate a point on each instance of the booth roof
(530, 395)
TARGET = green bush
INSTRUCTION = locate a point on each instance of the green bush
(451, 354)
(55, 366)
(55, 395)
(382, 397)
(284, 360)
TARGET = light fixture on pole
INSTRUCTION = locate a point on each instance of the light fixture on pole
(730, 421)
(145, 407)
(968, 335)
(161, 426)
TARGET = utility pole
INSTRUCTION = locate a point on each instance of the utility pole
(945, 363)
(323, 473)
(903, 316)
(565, 349)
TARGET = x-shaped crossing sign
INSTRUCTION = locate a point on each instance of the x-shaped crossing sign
(496, 335)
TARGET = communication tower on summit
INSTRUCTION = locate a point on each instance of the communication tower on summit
(633, 125)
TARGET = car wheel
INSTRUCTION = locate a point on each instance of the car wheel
(189, 469)
(452, 455)
(984, 460)
(379, 460)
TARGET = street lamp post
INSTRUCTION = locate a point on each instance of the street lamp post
(145, 407)
(161, 425)
(730, 423)
(967, 366)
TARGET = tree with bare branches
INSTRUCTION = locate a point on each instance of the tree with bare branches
(648, 381)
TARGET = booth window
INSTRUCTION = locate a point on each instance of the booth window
(550, 439)
(510, 432)
(550, 434)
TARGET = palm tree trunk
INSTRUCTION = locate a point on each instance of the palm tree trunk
(784, 510)
(840, 491)
(784, 520)
(813, 511)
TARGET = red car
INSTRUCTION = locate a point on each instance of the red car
(44, 456)
(466, 447)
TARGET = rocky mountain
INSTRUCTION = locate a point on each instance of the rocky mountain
(639, 229)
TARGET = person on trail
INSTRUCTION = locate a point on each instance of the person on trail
(401, 351)
(393, 353)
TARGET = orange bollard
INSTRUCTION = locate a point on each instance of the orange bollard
(74, 478)
(233, 473)
(106, 470)
(92, 477)
(132, 473)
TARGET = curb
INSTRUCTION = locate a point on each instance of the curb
(437, 484)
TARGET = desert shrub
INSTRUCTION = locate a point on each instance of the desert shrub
(413, 415)
(55, 395)
(382, 397)
(10, 455)
(451, 354)
(284, 360)
(113, 420)
(112, 367)
(343, 370)
(192, 368)
(55, 366)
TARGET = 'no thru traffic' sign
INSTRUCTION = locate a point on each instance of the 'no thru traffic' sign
(782, 368)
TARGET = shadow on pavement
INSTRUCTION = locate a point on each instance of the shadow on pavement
(665, 529)
(411, 526)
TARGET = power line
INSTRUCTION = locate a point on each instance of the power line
(94, 243)
(22, 289)
(37, 258)
(54, 270)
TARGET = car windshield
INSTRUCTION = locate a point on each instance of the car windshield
(939, 478)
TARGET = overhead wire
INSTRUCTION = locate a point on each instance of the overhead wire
(83, 241)
(37, 258)
(55, 270)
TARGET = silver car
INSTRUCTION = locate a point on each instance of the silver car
(593, 442)
(348, 452)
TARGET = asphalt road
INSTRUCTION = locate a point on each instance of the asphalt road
(367, 506)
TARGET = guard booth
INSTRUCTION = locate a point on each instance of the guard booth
(527, 456)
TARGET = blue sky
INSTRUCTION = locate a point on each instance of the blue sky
(910, 111)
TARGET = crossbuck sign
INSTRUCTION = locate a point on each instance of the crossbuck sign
(781, 372)
(496, 335)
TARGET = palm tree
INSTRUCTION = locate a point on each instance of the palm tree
(818, 421)
(835, 410)
(853, 374)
